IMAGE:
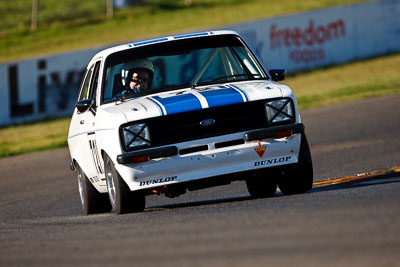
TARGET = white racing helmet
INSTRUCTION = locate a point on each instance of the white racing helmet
(136, 64)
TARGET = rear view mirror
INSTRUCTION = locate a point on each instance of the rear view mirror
(277, 74)
(84, 105)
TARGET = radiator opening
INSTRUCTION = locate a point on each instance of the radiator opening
(229, 143)
(193, 149)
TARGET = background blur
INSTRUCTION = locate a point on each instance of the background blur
(59, 26)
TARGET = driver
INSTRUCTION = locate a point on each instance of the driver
(137, 76)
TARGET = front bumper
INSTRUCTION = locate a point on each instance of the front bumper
(152, 153)
(169, 151)
(169, 166)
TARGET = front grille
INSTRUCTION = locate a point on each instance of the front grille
(181, 127)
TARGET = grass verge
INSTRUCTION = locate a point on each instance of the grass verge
(354, 81)
(321, 87)
(33, 137)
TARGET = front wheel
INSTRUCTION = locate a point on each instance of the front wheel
(298, 178)
(122, 199)
(92, 201)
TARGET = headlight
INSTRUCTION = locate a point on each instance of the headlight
(136, 135)
(279, 111)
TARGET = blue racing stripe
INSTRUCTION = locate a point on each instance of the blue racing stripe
(222, 97)
(180, 103)
(150, 41)
(155, 102)
(192, 35)
(243, 92)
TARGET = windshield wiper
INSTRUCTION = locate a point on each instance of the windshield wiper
(168, 87)
(236, 76)
(164, 88)
(250, 77)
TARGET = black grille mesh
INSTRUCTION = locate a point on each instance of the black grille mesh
(186, 126)
(181, 127)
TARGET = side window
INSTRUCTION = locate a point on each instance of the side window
(95, 80)
(90, 82)
(83, 92)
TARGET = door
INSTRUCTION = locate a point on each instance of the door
(83, 128)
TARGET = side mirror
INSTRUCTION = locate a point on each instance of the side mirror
(277, 74)
(84, 105)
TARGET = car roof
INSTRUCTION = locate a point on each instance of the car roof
(106, 52)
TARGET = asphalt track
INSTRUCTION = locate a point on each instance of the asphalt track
(348, 221)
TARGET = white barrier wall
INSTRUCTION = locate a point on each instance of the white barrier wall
(47, 87)
(42, 87)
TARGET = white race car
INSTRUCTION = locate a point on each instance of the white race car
(184, 113)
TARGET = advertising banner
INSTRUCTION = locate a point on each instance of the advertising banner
(326, 37)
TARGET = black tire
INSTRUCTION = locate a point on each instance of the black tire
(298, 178)
(122, 199)
(261, 186)
(92, 201)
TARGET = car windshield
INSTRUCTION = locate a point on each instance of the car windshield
(178, 64)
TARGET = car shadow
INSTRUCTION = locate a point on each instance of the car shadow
(319, 189)
(200, 203)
